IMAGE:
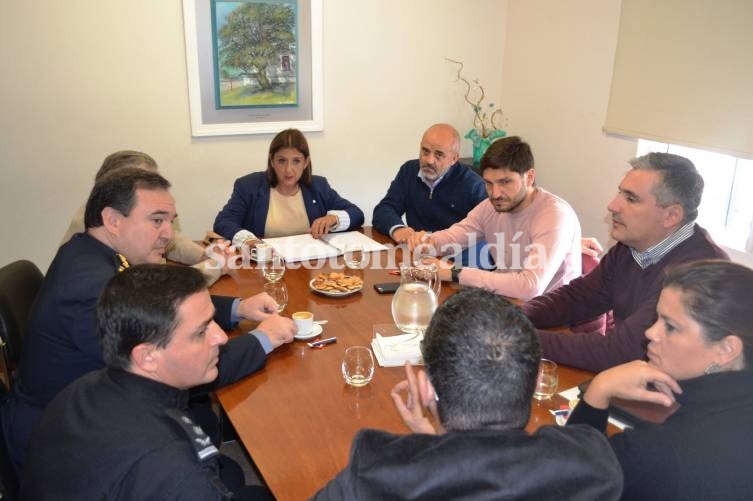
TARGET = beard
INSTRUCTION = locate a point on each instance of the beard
(513, 204)
(429, 172)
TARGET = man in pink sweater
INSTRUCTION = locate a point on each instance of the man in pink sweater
(533, 235)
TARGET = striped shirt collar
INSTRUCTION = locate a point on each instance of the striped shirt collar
(655, 253)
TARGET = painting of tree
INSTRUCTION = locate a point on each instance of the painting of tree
(255, 53)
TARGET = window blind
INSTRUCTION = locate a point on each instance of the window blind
(683, 74)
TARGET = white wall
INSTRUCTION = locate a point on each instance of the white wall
(557, 70)
(82, 79)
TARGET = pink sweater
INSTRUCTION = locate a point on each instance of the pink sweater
(536, 250)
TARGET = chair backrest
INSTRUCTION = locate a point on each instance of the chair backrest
(19, 284)
(8, 480)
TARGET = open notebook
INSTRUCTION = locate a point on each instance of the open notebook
(304, 247)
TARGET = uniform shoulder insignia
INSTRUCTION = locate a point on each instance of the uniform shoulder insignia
(200, 441)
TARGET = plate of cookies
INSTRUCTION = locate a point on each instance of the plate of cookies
(336, 284)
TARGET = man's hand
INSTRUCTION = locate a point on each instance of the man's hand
(412, 409)
(258, 307)
(219, 251)
(402, 234)
(321, 226)
(591, 247)
(630, 381)
(422, 241)
(279, 330)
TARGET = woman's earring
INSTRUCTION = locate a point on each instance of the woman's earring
(714, 367)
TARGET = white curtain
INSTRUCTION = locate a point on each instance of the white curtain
(683, 74)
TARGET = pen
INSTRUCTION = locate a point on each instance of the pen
(394, 272)
(323, 342)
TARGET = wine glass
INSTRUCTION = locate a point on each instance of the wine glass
(273, 268)
(279, 292)
(412, 307)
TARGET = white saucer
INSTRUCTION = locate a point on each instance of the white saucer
(314, 332)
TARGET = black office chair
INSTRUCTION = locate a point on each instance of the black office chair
(8, 481)
(19, 283)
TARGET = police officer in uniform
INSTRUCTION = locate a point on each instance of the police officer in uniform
(123, 432)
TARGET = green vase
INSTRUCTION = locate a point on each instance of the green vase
(480, 144)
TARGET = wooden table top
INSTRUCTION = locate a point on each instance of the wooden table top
(297, 417)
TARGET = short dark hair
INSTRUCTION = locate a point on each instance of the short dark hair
(118, 190)
(482, 356)
(289, 138)
(508, 153)
(681, 182)
(124, 158)
(140, 305)
(716, 294)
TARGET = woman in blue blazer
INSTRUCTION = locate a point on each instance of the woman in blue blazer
(286, 199)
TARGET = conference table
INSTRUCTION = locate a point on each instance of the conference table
(297, 417)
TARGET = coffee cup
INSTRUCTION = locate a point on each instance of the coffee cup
(263, 252)
(304, 320)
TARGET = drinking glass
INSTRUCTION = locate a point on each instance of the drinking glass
(273, 268)
(279, 292)
(546, 380)
(353, 256)
(357, 366)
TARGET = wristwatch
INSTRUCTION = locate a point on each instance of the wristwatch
(455, 272)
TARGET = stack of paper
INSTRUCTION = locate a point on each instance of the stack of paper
(305, 247)
(342, 240)
(394, 351)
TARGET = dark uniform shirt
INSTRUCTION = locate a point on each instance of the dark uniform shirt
(118, 436)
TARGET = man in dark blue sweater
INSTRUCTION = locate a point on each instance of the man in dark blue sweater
(434, 191)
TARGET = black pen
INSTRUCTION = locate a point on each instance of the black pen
(322, 342)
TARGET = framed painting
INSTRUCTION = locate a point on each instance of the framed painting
(254, 66)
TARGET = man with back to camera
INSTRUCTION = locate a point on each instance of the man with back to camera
(481, 359)
(653, 218)
(128, 221)
(534, 235)
(434, 191)
(124, 429)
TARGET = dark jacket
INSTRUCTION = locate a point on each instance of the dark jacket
(117, 436)
(460, 190)
(249, 203)
(701, 452)
(61, 343)
(554, 463)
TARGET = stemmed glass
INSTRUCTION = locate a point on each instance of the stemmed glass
(273, 268)
(414, 304)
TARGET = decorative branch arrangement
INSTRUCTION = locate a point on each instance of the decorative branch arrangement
(484, 123)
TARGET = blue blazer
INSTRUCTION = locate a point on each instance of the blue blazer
(248, 205)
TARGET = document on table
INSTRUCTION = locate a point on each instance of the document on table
(304, 247)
